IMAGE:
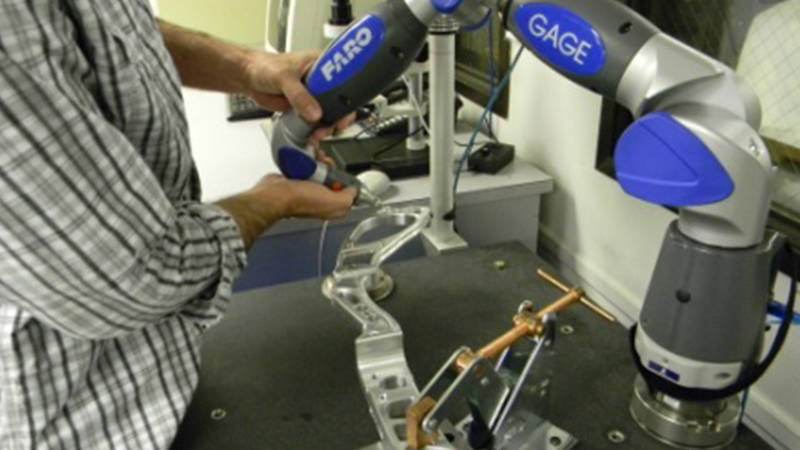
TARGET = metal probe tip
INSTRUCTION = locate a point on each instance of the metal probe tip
(366, 197)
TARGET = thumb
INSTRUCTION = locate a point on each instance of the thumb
(301, 100)
(351, 194)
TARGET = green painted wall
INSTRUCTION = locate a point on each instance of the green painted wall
(240, 21)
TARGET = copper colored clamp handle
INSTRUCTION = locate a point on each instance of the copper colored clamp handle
(586, 301)
(525, 325)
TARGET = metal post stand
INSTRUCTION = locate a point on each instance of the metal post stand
(440, 237)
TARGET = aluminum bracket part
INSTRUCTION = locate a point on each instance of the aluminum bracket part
(385, 377)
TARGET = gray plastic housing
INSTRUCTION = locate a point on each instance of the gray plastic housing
(707, 303)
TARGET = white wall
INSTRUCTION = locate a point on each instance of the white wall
(609, 240)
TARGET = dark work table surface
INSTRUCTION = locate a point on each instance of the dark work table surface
(281, 365)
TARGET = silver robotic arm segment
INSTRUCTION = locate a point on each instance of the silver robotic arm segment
(610, 49)
(694, 145)
(738, 221)
(666, 72)
(423, 10)
(714, 104)
(589, 42)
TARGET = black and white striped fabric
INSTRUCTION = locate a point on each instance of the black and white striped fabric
(110, 267)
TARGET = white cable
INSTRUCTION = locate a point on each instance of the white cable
(321, 249)
(415, 103)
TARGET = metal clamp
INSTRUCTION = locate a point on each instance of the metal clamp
(468, 385)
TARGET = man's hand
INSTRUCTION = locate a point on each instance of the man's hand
(276, 82)
(275, 198)
(307, 199)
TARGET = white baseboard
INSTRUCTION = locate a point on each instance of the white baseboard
(598, 285)
(764, 419)
(761, 415)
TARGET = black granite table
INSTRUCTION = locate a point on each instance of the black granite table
(281, 370)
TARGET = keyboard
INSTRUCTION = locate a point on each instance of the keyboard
(242, 107)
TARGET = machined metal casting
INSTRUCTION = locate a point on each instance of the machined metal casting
(385, 377)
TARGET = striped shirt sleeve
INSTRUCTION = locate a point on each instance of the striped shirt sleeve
(94, 247)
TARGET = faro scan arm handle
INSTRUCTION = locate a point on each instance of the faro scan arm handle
(354, 69)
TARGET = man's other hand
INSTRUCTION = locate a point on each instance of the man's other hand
(307, 199)
(275, 198)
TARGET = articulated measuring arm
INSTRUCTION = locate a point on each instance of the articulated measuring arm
(693, 146)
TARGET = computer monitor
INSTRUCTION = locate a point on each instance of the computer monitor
(478, 67)
(296, 25)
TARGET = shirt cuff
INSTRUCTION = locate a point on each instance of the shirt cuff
(210, 306)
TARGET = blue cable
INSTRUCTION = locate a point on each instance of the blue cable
(487, 20)
(778, 311)
(479, 25)
(489, 106)
(745, 397)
